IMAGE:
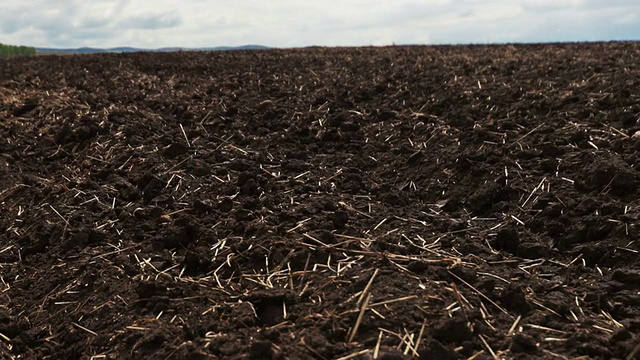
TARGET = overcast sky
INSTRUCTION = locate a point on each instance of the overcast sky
(295, 23)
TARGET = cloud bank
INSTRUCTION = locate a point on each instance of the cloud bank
(294, 23)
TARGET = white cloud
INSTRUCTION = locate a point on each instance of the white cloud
(287, 23)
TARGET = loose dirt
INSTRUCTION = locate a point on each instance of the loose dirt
(443, 202)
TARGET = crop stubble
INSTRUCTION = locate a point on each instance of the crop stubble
(445, 202)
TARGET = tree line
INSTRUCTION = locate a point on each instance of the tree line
(11, 50)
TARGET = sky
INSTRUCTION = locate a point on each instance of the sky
(298, 23)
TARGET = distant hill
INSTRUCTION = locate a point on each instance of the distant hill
(88, 50)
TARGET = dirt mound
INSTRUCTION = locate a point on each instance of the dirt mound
(436, 202)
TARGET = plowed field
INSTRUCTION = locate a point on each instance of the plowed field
(445, 202)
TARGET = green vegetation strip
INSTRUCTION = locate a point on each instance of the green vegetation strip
(11, 50)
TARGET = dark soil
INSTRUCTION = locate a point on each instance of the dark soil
(437, 202)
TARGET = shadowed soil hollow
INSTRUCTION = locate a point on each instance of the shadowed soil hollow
(375, 203)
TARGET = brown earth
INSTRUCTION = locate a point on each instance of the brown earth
(444, 202)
